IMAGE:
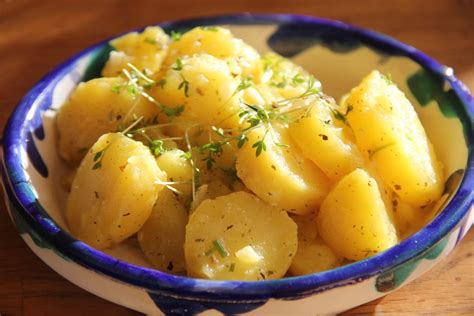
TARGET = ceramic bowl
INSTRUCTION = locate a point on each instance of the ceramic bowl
(339, 55)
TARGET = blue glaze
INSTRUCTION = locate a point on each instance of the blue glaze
(173, 306)
(39, 132)
(18, 130)
(97, 62)
(35, 156)
(293, 38)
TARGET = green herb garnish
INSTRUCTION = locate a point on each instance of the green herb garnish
(376, 150)
(178, 66)
(98, 156)
(388, 78)
(137, 83)
(151, 41)
(220, 248)
(210, 28)
(176, 36)
(244, 84)
(161, 83)
(184, 84)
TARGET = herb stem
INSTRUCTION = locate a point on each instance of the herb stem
(132, 125)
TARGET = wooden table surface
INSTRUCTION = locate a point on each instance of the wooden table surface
(37, 35)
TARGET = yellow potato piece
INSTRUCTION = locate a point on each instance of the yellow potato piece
(407, 218)
(162, 237)
(145, 50)
(387, 127)
(113, 192)
(225, 159)
(218, 42)
(178, 169)
(205, 87)
(353, 220)
(313, 255)
(93, 110)
(209, 190)
(281, 77)
(239, 237)
(281, 176)
(324, 143)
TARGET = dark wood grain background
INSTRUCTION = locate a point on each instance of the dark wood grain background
(38, 35)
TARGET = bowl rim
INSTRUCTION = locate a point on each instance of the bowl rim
(21, 194)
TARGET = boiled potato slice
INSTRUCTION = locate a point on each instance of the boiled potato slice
(162, 237)
(408, 219)
(178, 169)
(93, 110)
(226, 158)
(281, 176)
(387, 127)
(324, 143)
(282, 77)
(239, 237)
(209, 190)
(313, 255)
(205, 87)
(353, 220)
(145, 50)
(113, 192)
(218, 42)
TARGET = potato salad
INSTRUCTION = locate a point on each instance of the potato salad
(227, 164)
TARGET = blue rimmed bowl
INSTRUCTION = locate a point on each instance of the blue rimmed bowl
(339, 55)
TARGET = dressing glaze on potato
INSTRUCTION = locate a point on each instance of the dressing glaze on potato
(113, 192)
(313, 254)
(387, 127)
(324, 143)
(94, 109)
(239, 237)
(281, 176)
(162, 236)
(353, 219)
(146, 51)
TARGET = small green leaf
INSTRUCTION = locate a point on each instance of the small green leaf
(116, 88)
(147, 85)
(242, 139)
(98, 155)
(176, 36)
(157, 147)
(161, 83)
(388, 78)
(297, 80)
(187, 155)
(244, 84)
(185, 86)
(178, 66)
(176, 111)
(259, 147)
(210, 28)
(151, 41)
